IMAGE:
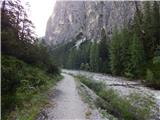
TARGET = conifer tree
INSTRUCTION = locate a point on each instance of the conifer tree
(156, 24)
(125, 49)
(94, 59)
(115, 52)
(137, 56)
(104, 53)
(147, 28)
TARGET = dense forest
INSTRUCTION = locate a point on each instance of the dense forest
(26, 65)
(133, 51)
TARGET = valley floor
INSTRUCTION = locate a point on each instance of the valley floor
(123, 86)
(68, 104)
(65, 102)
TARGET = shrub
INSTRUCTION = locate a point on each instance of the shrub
(91, 84)
(153, 74)
(129, 75)
(11, 76)
(20, 81)
(149, 75)
(156, 60)
(82, 66)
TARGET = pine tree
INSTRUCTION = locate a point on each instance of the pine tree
(94, 59)
(156, 24)
(147, 28)
(120, 51)
(125, 50)
(71, 59)
(137, 56)
(115, 54)
(104, 53)
(138, 17)
(138, 23)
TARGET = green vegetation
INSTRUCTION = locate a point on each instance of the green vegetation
(132, 107)
(94, 59)
(132, 52)
(27, 67)
(22, 87)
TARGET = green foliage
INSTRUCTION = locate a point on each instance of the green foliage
(127, 55)
(125, 37)
(87, 67)
(82, 67)
(115, 54)
(137, 56)
(149, 75)
(133, 107)
(90, 83)
(19, 81)
(156, 24)
(129, 75)
(18, 40)
(120, 52)
(18, 37)
(147, 25)
(94, 59)
(156, 60)
(11, 75)
(129, 52)
(152, 76)
(153, 71)
(104, 53)
(73, 59)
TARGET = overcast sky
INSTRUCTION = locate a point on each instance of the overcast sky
(40, 11)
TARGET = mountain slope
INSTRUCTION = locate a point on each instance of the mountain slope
(71, 18)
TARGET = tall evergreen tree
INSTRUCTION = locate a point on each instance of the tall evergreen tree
(156, 24)
(72, 59)
(115, 52)
(125, 49)
(104, 53)
(137, 56)
(138, 23)
(147, 28)
(94, 59)
(120, 52)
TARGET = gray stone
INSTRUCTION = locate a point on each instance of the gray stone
(69, 18)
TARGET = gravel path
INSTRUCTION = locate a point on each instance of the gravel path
(67, 102)
(120, 84)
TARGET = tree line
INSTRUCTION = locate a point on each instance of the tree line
(18, 36)
(133, 51)
(22, 53)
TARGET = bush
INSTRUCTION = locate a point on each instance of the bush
(156, 60)
(11, 76)
(128, 75)
(82, 66)
(19, 81)
(149, 75)
(91, 84)
(153, 74)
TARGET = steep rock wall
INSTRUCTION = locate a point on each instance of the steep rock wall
(70, 18)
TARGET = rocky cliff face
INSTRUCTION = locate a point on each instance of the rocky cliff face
(71, 18)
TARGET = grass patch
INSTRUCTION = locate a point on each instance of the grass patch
(91, 98)
(133, 107)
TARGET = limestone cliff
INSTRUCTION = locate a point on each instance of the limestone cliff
(71, 18)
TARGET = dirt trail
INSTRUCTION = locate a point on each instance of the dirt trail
(120, 84)
(67, 102)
